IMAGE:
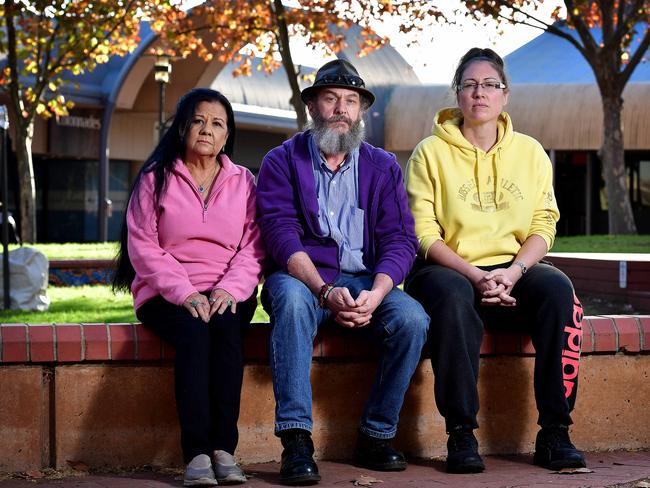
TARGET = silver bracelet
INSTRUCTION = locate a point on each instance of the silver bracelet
(522, 266)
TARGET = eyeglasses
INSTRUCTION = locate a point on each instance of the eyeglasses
(340, 79)
(488, 86)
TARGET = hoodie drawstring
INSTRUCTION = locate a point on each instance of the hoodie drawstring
(495, 171)
(477, 177)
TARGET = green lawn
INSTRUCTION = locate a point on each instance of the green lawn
(598, 243)
(603, 243)
(100, 304)
(76, 250)
(75, 304)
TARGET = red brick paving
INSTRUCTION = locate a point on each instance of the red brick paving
(609, 468)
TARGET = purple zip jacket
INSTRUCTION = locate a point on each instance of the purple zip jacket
(288, 211)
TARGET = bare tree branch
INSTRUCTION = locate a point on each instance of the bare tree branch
(624, 19)
(636, 58)
(543, 26)
(591, 48)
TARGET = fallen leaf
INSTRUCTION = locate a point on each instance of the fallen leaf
(364, 480)
(642, 484)
(574, 470)
(34, 474)
(77, 465)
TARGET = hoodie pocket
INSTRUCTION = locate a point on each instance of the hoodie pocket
(475, 250)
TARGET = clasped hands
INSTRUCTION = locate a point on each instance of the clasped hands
(495, 286)
(201, 306)
(349, 312)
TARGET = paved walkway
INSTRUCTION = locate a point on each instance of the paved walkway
(609, 469)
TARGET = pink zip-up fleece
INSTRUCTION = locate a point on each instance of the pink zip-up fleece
(187, 245)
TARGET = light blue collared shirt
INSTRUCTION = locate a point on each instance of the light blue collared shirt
(338, 214)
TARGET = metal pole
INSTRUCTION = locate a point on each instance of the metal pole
(4, 125)
(103, 205)
(588, 194)
(162, 69)
(161, 112)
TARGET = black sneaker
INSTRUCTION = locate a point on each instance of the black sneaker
(377, 454)
(462, 452)
(554, 450)
(297, 465)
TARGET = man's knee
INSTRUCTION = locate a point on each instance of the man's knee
(418, 324)
(284, 293)
(408, 317)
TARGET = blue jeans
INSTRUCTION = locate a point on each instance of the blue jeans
(399, 322)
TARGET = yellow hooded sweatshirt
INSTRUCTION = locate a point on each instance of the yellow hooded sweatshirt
(483, 205)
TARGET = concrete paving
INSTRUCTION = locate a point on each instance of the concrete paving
(608, 469)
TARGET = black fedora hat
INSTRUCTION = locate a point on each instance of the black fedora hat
(339, 74)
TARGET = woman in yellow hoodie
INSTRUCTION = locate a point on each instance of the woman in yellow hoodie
(485, 214)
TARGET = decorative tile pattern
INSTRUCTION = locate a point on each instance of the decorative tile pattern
(80, 272)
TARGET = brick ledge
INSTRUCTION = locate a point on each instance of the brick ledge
(74, 343)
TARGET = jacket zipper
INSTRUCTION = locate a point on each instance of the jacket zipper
(204, 204)
(212, 196)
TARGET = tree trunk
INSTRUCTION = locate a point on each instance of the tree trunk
(277, 10)
(621, 218)
(24, 138)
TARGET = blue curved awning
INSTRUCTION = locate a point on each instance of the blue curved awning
(552, 59)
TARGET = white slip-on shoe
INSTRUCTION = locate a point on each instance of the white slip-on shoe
(199, 472)
(226, 470)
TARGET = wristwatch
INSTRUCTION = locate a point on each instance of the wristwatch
(522, 266)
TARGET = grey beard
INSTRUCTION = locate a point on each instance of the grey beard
(330, 141)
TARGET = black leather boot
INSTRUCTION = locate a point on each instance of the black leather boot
(462, 452)
(554, 450)
(298, 466)
(377, 454)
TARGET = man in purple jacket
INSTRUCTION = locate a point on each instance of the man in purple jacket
(335, 220)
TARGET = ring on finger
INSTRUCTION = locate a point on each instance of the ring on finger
(212, 299)
(194, 303)
(229, 303)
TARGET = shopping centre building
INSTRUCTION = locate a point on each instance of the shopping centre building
(85, 162)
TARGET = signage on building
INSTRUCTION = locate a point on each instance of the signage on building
(91, 122)
(75, 135)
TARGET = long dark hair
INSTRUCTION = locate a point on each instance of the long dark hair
(161, 161)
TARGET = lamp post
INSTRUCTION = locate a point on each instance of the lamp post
(4, 125)
(162, 72)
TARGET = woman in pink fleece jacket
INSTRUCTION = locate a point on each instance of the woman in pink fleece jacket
(191, 255)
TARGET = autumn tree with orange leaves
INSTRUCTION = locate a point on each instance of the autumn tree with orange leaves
(241, 29)
(613, 58)
(42, 41)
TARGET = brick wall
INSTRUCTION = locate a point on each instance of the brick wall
(103, 394)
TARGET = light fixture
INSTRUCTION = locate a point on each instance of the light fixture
(162, 69)
(162, 74)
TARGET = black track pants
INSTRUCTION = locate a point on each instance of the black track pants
(547, 309)
(208, 371)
